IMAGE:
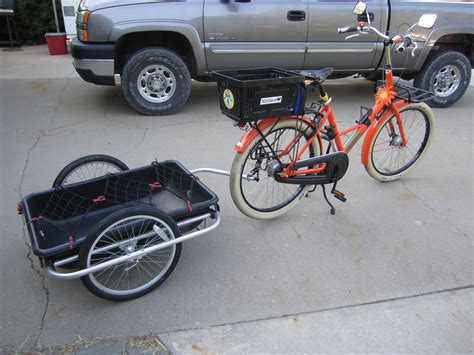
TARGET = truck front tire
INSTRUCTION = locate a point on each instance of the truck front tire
(447, 75)
(155, 81)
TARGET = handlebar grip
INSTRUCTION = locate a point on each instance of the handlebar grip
(406, 42)
(348, 29)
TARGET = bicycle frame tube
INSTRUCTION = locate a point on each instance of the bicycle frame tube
(393, 108)
(382, 109)
(262, 125)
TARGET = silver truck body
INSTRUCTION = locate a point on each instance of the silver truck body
(292, 34)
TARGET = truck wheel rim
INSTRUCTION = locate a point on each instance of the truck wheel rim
(447, 80)
(156, 83)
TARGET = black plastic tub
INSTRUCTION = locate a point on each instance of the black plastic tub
(59, 220)
(252, 94)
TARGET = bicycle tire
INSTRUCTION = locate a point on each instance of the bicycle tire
(418, 123)
(69, 170)
(237, 183)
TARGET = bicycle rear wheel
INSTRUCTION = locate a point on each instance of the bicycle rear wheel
(263, 197)
(389, 159)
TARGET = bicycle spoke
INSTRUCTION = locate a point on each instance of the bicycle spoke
(267, 193)
(135, 274)
(389, 155)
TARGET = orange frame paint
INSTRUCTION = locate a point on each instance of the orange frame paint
(383, 108)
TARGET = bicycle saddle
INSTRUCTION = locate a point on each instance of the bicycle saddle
(318, 75)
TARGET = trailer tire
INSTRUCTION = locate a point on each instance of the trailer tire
(77, 171)
(118, 232)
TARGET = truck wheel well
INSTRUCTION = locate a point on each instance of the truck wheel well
(459, 42)
(132, 42)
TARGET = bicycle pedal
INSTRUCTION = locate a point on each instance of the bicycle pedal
(339, 195)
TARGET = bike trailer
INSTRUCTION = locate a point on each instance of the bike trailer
(170, 202)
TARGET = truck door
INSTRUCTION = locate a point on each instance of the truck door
(257, 33)
(327, 48)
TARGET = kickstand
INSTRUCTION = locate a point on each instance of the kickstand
(310, 191)
(333, 210)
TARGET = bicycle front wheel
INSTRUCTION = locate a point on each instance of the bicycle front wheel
(390, 159)
(261, 196)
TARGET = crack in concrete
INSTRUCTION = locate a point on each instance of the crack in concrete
(56, 109)
(145, 131)
(363, 304)
(42, 276)
(427, 205)
(65, 126)
(25, 241)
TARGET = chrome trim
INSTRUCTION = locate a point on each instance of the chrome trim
(330, 50)
(134, 255)
(256, 51)
(100, 67)
(117, 79)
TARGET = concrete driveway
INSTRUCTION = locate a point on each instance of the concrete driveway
(391, 271)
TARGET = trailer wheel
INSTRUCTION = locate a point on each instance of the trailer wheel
(88, 167)
(124, 232)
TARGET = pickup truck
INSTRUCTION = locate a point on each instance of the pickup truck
(155, 47)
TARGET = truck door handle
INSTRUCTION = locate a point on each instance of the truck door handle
(296, 15)
(363, 17)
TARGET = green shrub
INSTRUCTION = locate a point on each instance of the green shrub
(36, 17)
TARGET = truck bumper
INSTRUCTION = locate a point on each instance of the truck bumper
(94, 62)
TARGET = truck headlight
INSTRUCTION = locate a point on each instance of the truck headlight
(81, 23)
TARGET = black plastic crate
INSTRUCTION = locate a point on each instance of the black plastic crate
(55, 216)
(252, 94)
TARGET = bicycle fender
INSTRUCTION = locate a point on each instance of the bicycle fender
(262, 125)
(370, 135)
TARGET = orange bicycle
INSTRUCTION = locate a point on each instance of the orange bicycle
(280, 159)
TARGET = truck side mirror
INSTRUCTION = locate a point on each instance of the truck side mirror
(427, 20)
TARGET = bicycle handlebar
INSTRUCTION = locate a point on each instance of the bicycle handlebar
(406, 43)
(406, 40)
(349, 29)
